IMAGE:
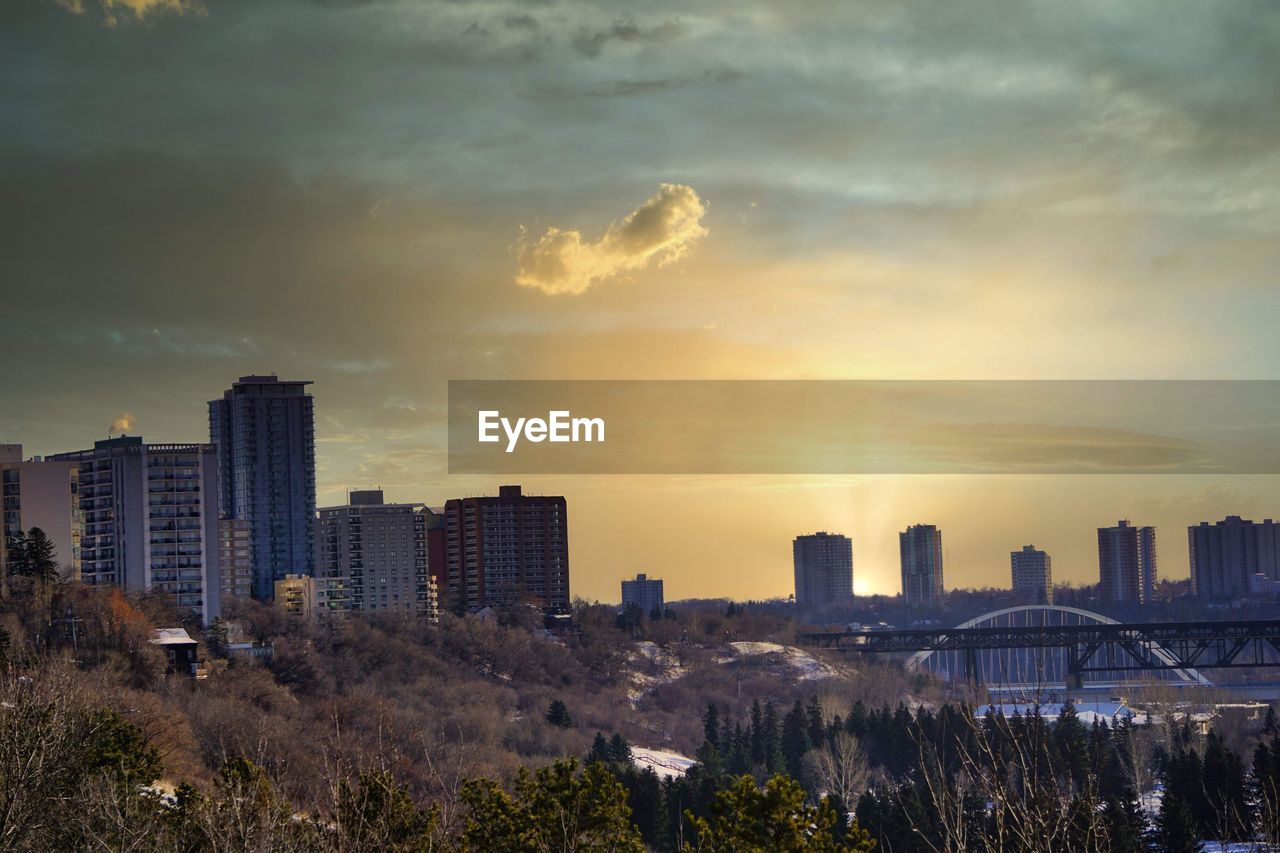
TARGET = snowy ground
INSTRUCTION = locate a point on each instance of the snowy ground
(665, 764)
(651, 665)
(808, 667)
(1150, 801)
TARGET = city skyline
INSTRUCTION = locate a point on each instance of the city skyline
(786, 586)
(415, 192)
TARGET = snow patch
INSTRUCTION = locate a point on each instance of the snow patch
(665, 764)
(808, 667)
(651, 665)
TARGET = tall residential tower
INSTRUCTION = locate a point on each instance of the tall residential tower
(151, 519)
(264, 429)
(920, 548)
(644, 592)
(506, 550)
(1032, 575)
(371, 556)
(1227, 554)
(1127, 563)
(823, 564)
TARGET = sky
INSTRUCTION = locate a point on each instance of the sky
(381, 195)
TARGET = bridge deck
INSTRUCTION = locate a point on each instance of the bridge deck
(1134, 646)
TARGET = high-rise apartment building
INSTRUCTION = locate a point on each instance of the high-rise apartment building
(505, 550)
(1032, 575)
(920, 547)
(264, 429)
(823, 565)
(151, 519)
(1226, 555)
(644, 592)
(1127, 563)
(44, 494)
(235, 558)
(371, 556)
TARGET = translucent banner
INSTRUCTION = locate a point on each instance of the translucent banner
(864, 427)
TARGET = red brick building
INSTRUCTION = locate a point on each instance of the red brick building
(506, 550)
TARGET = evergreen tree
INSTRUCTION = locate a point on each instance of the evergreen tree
(738, 761)
(817, 728)
(775, 819)
(709, 758)
(757, 734)
(1227, 816)
(1176, 829)
(795, 739)
(711, 725)
(38, 558)
(1126, 826)
(218, 637)
(554, 808)
(558, 714)
(644, 796)
(774, 760)
(856, 723)
(1184, 784)
(901, 819)
(114, 746)
(620, 751)
(599, 750)
(834, 727)
(902, 749)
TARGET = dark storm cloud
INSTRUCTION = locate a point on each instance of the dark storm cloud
(1163, 105)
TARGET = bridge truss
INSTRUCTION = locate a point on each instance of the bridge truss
(1177, 648)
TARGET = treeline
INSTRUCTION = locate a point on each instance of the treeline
(76, 775)
(949, 780)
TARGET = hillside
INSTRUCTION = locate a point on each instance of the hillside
(437, 704)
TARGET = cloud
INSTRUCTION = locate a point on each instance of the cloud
(625, 88)
(140, 9)
(663, 229)
(123, 423)
(626, 30)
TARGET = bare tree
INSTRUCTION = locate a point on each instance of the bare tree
(1005, 795)
(840, 768)
(39, 737)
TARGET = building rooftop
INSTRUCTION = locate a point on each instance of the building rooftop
(172, 637)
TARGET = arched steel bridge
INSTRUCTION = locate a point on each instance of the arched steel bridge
(1044, 668)
(1056, 643)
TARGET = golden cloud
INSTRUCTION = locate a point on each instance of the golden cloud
(664, 229)
(124, 423)
(139, 8)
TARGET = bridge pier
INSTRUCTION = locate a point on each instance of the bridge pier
(1075, 679)
(971, 667)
